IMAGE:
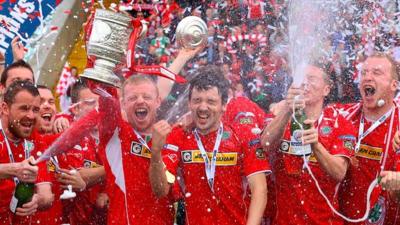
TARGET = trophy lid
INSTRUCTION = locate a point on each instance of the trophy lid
(191, 32)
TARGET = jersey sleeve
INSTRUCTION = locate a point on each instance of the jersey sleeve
(344, 138)
(255, 159)
(42, 142)
(43, 174)
(260, 115)
(171, 151)
(109, 116)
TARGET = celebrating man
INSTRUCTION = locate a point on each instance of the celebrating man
(212, 158)
(20, 108)
(306, 157)
(376, 120)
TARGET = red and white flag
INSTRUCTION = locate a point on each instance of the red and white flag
(66, 79)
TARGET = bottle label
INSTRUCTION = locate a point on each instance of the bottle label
(13, 204)
(297, 147)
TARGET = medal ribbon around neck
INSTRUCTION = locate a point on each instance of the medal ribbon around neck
(210, 166)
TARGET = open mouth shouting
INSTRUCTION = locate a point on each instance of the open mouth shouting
(203, 116)
(369, 91)
(141, 113)
(47, 116)
(26, 124)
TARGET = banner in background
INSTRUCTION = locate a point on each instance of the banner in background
(21, 17)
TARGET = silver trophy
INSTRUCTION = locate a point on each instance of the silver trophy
(191, 32)
(108, 42)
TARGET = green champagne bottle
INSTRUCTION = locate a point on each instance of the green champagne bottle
(23, 194)
(300, 116)
(296, 133)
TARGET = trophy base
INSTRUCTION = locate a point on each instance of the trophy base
(102, 72)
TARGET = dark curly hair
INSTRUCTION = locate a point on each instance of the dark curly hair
(208, 77)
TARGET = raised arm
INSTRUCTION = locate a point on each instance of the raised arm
(165, 85)
(274, 131)
(158, 178)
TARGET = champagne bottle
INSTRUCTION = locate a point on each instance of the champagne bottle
(296, 127)
(300, 116)
(23, 194)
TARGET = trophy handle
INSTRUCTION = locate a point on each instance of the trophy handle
(130, 56)
(88, 31)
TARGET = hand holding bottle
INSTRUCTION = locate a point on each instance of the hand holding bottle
(28, 208)
(293, 98)
(310, 133)
(26, 171)
(390, 180)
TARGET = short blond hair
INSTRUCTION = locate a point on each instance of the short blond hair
(395, 70)
(137, 79)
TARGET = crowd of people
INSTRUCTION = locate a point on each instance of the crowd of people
(234, 158)
(249, 40)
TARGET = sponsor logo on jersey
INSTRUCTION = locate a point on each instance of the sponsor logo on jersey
(285, 145)
(226, 135)
(223, 159)
(370, 152)
(51, 167)
(171, 147)
(187, 156)
(326, 130)
(260, 154)
(349, 145)
(139, 150)
(90, 164)
(246, 120)
(244, 117)
(347, 137)
(254, 142)
(172, 157)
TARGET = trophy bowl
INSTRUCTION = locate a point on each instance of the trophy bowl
(107, 43)
(191, 32)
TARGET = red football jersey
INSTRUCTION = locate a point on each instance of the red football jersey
(366, 166)
(236, 160)
(242, 110)
(7, 186)
(52, 215)
(298, 199)
(142, 206)
(79, 210)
